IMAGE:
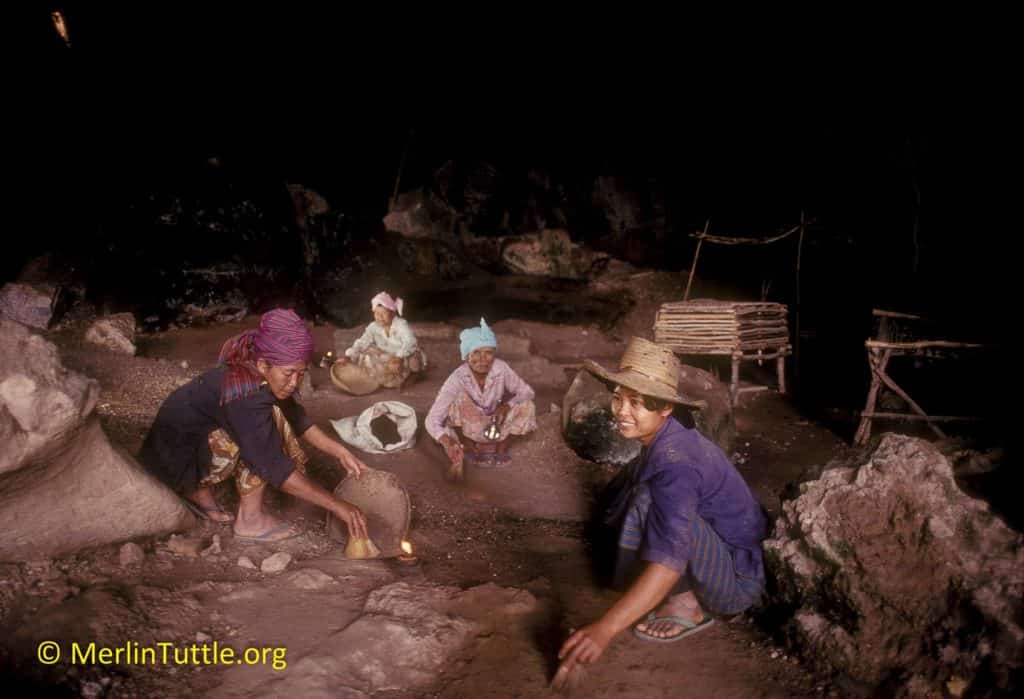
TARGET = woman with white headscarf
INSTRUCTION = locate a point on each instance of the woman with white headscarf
(480, 405)
(387, 352)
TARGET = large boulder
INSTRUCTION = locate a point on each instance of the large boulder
(588, 424)
(889, 575)
(550, 253)
(63, 485)
(31, 304)
(589, 427)
(41, 403)
(115, 332)
(417, 214)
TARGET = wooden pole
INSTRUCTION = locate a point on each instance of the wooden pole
(877, 361)
(696, 254)
(734, 381)
(796, 317)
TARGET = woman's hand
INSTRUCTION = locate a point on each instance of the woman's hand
(582, 648)
(452, 447)
(319, 439)
(394, 365)
(352, 465)
(502, 412)
(353, 517)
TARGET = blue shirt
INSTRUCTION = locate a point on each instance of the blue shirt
(687, 475)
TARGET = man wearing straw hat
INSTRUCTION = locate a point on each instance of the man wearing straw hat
(690, 530)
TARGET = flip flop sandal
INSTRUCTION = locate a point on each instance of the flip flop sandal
(689, 628)
(264, 538)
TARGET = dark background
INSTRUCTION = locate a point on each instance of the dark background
(867, 149)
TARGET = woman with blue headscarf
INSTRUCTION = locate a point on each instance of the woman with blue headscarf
(480, 405)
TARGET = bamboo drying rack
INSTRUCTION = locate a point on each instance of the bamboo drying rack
(743, 331)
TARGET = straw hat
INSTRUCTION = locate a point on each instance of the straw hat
(384, 501)
(353, 379)
(649, 369)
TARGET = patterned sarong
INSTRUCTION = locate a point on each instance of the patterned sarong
(467, 417)
(227, 458)
(379, 365)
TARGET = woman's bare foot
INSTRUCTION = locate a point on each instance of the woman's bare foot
(255, 523)
(684, 605)
(204, 500)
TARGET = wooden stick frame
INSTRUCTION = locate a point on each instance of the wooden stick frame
(880, 352)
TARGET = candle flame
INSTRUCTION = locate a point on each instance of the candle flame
(407, 547)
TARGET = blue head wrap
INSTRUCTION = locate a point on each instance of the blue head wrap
(475, 338)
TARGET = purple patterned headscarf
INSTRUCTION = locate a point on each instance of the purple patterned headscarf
(282, 338)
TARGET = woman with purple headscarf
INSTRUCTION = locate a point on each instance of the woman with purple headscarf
(387, 353)
(240, 419)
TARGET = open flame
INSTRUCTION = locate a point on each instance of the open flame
(407, 548)
(61, 25)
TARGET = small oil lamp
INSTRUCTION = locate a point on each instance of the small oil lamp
(406, 557)
(327, 360)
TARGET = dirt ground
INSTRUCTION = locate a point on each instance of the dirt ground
(519, 527)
